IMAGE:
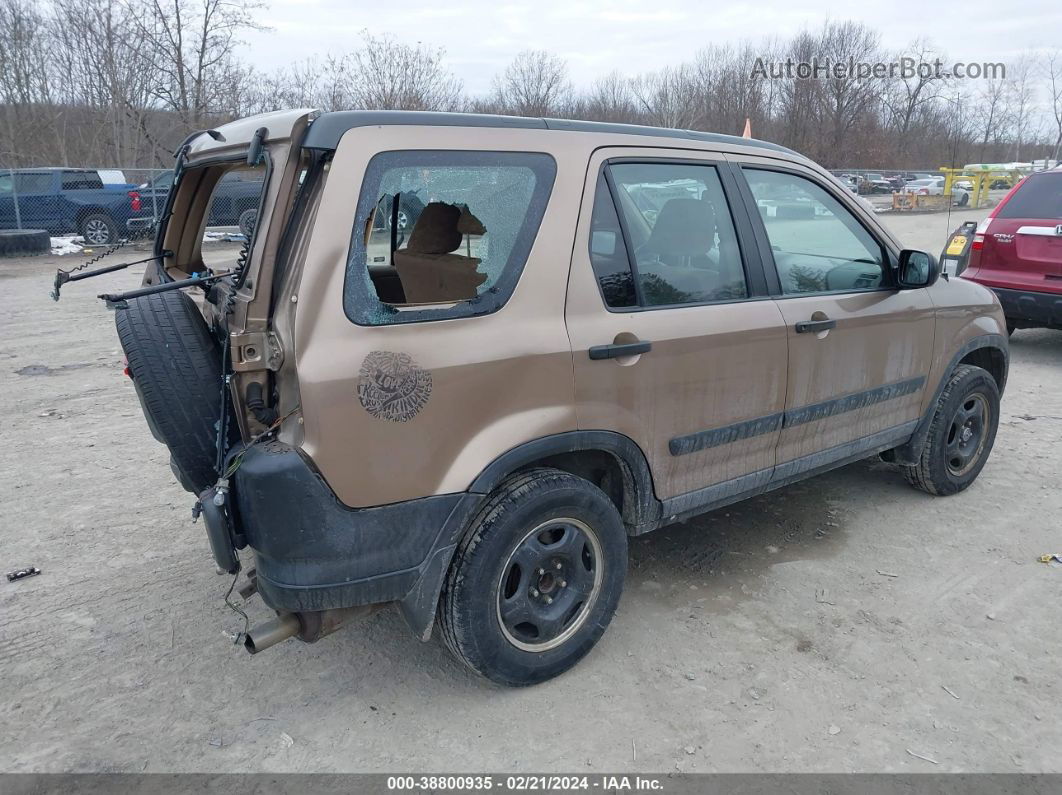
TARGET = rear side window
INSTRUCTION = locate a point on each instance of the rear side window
(81, 180)
(1039, 197)
(681, 237)
(443, 234)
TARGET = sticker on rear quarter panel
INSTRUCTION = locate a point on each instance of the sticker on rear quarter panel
(392, 387)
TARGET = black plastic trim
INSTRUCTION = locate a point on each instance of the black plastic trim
(618, 350)
(1031, 308)
(853, 402)
(327, 129)
(719, 495)
(691, 443)
(626, 451)
(714, 437)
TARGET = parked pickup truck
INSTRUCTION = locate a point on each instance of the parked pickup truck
(66, 201)
(234, 202)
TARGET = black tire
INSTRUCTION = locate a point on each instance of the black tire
(19, 242)
(247, 221)
(99, 229)
(175, 364)
(540, 512)
(950, 460)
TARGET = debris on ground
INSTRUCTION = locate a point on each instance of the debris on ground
(21, 574)
(822, 597)
(834, 730)
(886, 573)
(67, 244)
(950, 692)
(286, 740)
(1054, 559)
(689, 749)
(929, 759)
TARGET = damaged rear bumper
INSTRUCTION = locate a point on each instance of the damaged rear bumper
(313, 553)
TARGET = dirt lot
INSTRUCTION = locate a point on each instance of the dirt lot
(842, 624)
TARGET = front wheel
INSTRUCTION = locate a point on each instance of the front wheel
(961, 433)
(536, 580)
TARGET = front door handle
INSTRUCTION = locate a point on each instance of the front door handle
(806, 326)
(616, 350)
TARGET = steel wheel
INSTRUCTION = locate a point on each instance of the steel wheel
(966, 434)
(549, 584)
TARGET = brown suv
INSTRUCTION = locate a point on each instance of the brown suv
(463, 357)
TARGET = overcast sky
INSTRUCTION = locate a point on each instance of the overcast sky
(481, 36)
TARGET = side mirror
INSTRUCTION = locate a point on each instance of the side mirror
(916, 269)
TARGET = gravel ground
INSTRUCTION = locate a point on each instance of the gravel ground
(847, 623)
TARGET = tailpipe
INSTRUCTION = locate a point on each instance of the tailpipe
(284, 626)
(309, 627)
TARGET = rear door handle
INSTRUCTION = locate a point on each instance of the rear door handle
(625, 349)
(805, 326)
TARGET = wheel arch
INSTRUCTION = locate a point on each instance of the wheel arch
(986, 349)
(609, 460)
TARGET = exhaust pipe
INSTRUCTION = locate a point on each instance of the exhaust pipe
(284, 626)
(309, 627)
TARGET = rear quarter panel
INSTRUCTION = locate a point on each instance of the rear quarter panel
(496, 380)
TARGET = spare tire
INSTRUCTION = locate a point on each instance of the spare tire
(175, 363)
(18, 242)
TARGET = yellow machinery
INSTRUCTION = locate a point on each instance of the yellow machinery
(980, 180)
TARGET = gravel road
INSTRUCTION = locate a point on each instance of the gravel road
(846, 623)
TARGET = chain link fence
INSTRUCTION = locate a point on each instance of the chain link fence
(65, 210)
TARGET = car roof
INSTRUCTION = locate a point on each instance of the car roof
(326, 130)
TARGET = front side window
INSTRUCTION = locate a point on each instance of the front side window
(683, 245)
(443, 234)
(817, 244)
(33, 183)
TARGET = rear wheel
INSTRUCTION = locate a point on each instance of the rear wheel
(536, 580)
(99, 229)
(246, 222)
(961, 434)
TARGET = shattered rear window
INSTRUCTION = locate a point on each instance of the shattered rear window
(443, 234)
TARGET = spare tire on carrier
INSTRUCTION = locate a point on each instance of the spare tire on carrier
(175, 364)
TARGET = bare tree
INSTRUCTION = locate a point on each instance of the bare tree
(609, 99)
(388, 75)
(992, 111)
(907, 94)
(668, 98)
(1053, 70)
(191, 46)
(1021, 101)
(534, 84)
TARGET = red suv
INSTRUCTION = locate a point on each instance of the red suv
(1017, 251)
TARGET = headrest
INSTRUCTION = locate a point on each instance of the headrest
(435, 231)
(684, 228)
(440, 228)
